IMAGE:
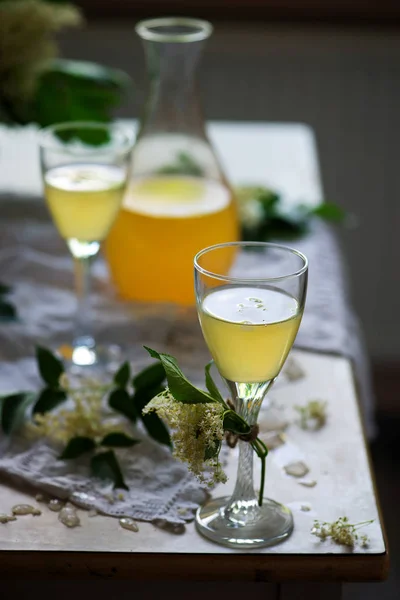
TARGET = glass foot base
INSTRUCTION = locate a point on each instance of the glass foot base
(95, 356)
(273, 524)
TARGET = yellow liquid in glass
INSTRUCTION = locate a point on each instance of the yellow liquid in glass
(164, 222)
(249, 331)
(84, 199)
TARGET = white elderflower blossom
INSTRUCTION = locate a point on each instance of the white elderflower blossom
(86, 418)
(196, 429)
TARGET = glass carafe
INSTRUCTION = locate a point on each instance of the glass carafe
(178, 198)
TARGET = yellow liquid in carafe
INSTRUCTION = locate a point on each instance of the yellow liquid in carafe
(164, 222)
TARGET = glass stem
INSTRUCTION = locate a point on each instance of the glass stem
(243, 507)
(83, 324)
(83, 343)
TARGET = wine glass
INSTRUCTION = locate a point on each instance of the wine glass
(249, 320)
(85, 168)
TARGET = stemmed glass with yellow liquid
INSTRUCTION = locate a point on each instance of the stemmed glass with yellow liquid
(250, 319)
(85, 168)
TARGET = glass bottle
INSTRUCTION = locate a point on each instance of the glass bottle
(178, 198)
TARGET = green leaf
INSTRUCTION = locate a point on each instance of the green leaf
(211, 385)
(212, 451)
(180, 387)
(48, 400)
(118, 440)
(13, 410)
(122, 376)
(153, 424)
(78, 91)
(105, 466)
(122, 402)
(329, 212)
(150, 376)
(50, 367)
(76, 447)
(4, 289)
(234, 423)
(7, 311)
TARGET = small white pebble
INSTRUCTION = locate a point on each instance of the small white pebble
(69, 517)
(297, 469)
(310, 483)
(128, 523)
(56, 505)
(7, 518)
(25, 509)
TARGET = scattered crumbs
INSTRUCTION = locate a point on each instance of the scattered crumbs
(40, 498)
(255, 300)
(69, 517)
(310, 483)
(128, 523)
(120, 496)
(313, 415)
(296, 469)
(305, 507)
(25, 509)
(109, 498)
(55, 504)
(182, 511)
(92, 513)
(7, 518)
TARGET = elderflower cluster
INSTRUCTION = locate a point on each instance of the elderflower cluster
(85, 418)
(196, 428)
(341, 531)
(27, 30)
(313, 414)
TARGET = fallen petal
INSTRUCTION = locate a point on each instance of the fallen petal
(297, 469)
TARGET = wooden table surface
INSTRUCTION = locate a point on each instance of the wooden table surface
(338, 461)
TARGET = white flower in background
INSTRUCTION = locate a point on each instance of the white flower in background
(251, 212)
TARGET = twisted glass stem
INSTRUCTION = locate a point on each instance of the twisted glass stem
(243, 507)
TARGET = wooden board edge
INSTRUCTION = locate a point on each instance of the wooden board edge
(196, 567)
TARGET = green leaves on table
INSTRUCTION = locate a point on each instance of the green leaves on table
(146, 385)
(50, 367)
(76, 447)
(117, 439)
(264, 216)
(8, 311)
(105, 466)
(122, 376)
(13, 409)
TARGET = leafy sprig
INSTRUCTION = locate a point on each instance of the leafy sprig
(185, 393)
(341, 531)
(263, 215)
(125, 394)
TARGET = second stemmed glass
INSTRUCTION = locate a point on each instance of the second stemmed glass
(249, 320)
(85, 169)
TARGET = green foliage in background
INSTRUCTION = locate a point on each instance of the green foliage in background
(35, 85)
